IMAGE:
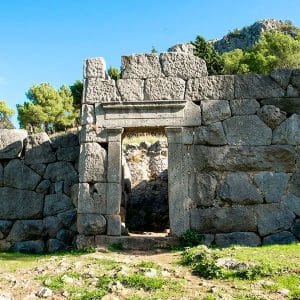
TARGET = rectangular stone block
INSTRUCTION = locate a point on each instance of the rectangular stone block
(131, 89)
(94, 68)
(169, 88)
(245, 158)
(92, 133)
(92, 198)
(174, 135)
(114, 194)
(114, 168)
(141, 66)
(113, 225)
(227, 219)
(219, 87)
(214, 111)
(100, 90)
(87, 114)
(257, 86)
(91, 224)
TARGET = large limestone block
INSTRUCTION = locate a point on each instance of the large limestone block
(36, 247)
(100, 90)
(295, 184)
(57, 203)
(293, 203)
(212, 134)
(20, 204)
(182, 65)
(87, 114)
(26, 230)
(238, 188)
(1, 174)
(92, 198)
(52, 225)
(227, 219)
(94, 68)
(170, 88)
(271, 115)
(68, 154)
(92, 163)
(295, 79)
(65, 140)
(241, 107)
(38, 149)
(131, 89)
(247, 130)
(296, 228)
(281, 76)
(61, 171)
(11, 142)
(289, 105)
(288, 132)
(113, 225)
(280, 238)
(257, 86)
(5, 226)
(214, 111)
(245, 158)
(272, 218)
(18, 175)
(272, 185)
(141, 66)
(249, 239)
(212, 87)
(91, 224)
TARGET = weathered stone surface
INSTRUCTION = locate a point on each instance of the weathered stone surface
(54, 245)
(5, 246)
(100, 90)
(61, 171)
(238, 188)
(271, 115)
(141, 66)
(289, 105)
(293, 203)
(19, 176)
(84, 241)
(249, 239)
(68, 217)
(39, 168)
(11, 142)
(20, 204)
(1, 174)
(91, 224)
(56, 203)
(66, 236)
(182, 65)
(87, 114)
(74, 190)
(94, 68)
(257, 86)
(296, 228)
(68, 154)
(203, 189)
(52, 225)
(245, 158)
(272, 218)
(169, 88)
(38, 149)
(292, 91)
(212, 87)
(241, 107)
(65, 140)
(227, 219)
(212, 134)
(131, 89)
(187, 48)
(93, 167)
(26, 230)
(113, 224)
(247, 130)
(295, 78)
(295, 184)
(284, 237)
(29, 247)
(5, 226)
(281, 76)
(92, 198)
(43, 187)
(288, 132)
(214, 111)
(272, 185)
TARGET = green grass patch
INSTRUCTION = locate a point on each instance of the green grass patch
(148, 265)
(107, 264)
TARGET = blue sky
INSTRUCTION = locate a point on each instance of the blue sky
(47, 40)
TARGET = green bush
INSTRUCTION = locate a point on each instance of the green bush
(191, 238)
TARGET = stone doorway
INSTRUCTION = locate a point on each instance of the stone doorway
(145, 203)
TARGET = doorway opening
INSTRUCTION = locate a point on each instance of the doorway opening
(145, 207)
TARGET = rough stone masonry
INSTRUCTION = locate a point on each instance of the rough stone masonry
(233, 156)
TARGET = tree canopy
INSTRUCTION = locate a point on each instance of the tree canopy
(5, 114)
(48, 109)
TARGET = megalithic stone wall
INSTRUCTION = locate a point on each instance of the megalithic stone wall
(233, 146)
(38, 191)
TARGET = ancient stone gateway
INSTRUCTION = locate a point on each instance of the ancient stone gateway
(233, 148)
